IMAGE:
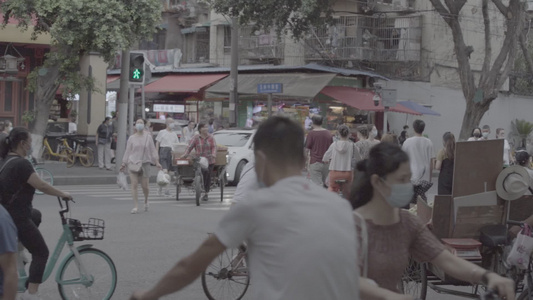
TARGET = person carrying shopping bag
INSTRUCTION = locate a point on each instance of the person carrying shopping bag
(340, 156)
(140, 153)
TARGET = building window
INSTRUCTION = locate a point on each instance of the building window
(227, 39)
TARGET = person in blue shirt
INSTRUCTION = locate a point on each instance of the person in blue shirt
(8, 256)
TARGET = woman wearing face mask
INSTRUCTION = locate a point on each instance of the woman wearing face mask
(476, 135)
(445, 164)
(164, 141)
(140, 150)
(381, 187)
(18, 182)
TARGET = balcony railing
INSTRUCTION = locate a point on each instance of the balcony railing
(381, 39)
(260, 45)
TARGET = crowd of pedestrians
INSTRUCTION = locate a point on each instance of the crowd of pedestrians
(355, 248)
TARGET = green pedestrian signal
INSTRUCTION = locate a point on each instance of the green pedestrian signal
(136, 67)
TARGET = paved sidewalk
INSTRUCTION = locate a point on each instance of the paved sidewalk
(79, 175)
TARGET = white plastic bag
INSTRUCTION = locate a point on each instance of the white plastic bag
(521, 250)
(204, 163)
(162, 178)
(122, 181)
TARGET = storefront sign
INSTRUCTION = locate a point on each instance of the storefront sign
(169, 108)
(269, 88)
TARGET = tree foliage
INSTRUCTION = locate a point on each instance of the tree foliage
(76, 28)
(495, 71)
(294, 16)
(520, 131)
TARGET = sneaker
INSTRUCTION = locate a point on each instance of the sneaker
(134, 211)
(146, 205)
(205, 197)
(28, 296)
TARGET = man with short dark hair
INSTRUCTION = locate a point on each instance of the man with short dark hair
(318, 142)
(485, 132)
(420, 151)
(277, 221)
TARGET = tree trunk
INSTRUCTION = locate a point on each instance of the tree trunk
(473, 114)
(47, 86)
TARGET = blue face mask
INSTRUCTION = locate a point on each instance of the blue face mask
(139, 126)
(400, 195)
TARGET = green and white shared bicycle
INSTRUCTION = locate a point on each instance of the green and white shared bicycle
(85, 272)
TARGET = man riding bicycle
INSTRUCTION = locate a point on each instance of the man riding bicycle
(205, 146)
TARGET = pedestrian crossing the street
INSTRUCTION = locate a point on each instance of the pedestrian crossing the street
(186, 197)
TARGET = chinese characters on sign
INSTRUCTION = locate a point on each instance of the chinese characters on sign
(269, 88)
(169, 108)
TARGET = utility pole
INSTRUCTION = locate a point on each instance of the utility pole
(122, 109)
(234, 91)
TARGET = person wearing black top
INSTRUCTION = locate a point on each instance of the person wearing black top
(18, 182)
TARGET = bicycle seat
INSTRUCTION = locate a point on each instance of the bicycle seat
(80, 141)
(340, 181)
(60, 139)
(493, 235)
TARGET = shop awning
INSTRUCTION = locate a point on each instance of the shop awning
(361, 99)
(114, 85)
(111, 78)
(183, 83)
(296, 85)
(419, 108)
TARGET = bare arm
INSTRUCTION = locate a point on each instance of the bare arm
(36, 182)
(185, 271)
(469, 272)
(8, 265)
(438, 164)
(157, 144)
(369, 290)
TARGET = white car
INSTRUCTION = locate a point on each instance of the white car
(240, 150)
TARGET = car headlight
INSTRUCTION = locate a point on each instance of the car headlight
(229, 156)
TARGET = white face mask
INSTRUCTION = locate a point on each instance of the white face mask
(139, 126)
(400, 195)
(485, 134)
(374, 133)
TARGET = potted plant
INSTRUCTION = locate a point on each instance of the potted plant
(520, 132)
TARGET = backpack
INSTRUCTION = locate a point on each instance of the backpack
(5, 203)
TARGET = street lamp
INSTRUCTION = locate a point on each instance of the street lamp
(10, 64)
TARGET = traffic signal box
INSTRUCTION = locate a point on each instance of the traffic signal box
(136, 75)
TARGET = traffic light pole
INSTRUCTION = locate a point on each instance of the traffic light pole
(233, 93)
(131, 109)
(122, 110)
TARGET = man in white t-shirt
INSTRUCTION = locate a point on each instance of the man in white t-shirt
(500, 134)
(420, 151)
(301, 238)
(164, 141)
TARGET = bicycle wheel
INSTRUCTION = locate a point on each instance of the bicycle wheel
(87, 160)
(527, 293)
(414, 280)
(102, 273)
(226, 277)
(71, 158)
(46, 176)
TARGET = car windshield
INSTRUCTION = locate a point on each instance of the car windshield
(232, 139)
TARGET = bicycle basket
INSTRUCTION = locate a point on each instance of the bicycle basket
(93, 230)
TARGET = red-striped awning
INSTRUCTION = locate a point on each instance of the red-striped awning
(361, 99)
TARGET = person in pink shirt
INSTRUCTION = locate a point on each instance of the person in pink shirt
(140, 148)
(205, 146)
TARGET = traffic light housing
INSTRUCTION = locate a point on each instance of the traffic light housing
(136, 75)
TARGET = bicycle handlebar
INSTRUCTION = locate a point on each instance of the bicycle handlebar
(517, 223)
(67, 207)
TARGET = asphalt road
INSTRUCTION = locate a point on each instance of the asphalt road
(146, 245)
